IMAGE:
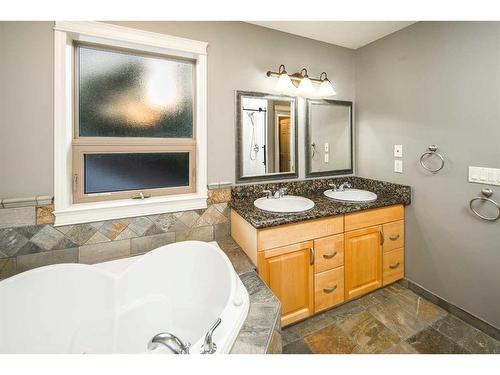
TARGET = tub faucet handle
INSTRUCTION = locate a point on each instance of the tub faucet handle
(209, 346)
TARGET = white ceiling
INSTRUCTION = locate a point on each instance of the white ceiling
(350, 34)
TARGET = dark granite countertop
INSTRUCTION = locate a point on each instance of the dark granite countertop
(243, 197)
(261, 331)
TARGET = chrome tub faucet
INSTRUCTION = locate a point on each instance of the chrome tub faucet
(171, 341)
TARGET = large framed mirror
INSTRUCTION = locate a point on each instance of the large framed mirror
(266, 137)
(329, 138)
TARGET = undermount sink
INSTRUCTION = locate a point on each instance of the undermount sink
(287, 203)
(351, 195)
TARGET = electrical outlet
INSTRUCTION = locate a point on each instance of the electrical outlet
(398, 151)
(327, 146)
(398, 166)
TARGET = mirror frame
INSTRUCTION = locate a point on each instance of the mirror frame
(309, 173)
(238, 133)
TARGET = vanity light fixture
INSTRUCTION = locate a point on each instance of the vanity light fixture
(300, 82)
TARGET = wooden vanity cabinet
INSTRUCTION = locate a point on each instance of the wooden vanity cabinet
(317, 264)
(289, 272)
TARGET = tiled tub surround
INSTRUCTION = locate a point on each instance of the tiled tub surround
(28, 238)
(261, 331)
(243, 197)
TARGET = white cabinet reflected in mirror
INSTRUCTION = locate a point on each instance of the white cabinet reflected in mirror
(266, 136)
(329, 144)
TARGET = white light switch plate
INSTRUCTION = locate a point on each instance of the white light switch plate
(487, 176)
(398, 151)
(398, 166)
(326, 158)
(326, 147)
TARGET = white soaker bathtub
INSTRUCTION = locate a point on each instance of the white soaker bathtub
(118, 306)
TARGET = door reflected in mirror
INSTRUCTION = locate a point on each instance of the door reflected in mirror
(266, 137)
(329, 138)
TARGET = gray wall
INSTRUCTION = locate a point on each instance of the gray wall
(438, 83)
(239, 56)
(26, 109)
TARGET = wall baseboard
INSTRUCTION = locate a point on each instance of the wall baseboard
(453, 309)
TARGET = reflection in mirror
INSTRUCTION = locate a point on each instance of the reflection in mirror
(266, 137)
(329, 138)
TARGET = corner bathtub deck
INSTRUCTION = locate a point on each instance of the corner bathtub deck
(261, 331)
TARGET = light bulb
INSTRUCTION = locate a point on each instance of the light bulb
(306, 87)
(326, 88)
(285, 83)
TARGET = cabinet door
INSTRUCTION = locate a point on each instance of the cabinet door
(289, 272)
(363, 261)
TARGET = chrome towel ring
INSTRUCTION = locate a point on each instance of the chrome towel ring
(487, 193)
(431, 151)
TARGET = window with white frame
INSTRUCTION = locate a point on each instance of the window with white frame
(130, 122)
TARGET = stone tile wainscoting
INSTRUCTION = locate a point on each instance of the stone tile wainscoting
(28, 238)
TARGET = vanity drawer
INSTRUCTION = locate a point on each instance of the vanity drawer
(394, 235)
(376, 216)
(393, 266)
(329, 253)
(287, 234)
(328, 289)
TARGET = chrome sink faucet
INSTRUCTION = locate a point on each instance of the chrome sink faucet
(279, 193)
(345, 185)
(171, 341)
(341, 187)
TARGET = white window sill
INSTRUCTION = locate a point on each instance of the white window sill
(109, 210)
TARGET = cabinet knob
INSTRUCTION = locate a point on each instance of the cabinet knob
(329, 290)
(394, 237)
(329, 255)
(393, 266)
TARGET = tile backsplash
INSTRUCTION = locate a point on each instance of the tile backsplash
(28, 238)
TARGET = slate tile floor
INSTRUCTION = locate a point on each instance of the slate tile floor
(391, 320)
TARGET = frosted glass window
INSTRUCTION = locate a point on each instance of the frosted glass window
(113, 172)
(122, 94)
